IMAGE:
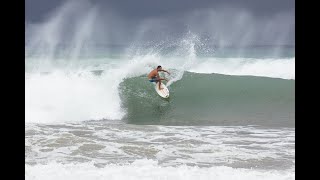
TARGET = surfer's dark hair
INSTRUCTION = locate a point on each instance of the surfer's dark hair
(158, 67)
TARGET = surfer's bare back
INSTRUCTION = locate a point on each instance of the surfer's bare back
(154, 76)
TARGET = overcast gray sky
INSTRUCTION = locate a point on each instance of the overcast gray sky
(228, 21)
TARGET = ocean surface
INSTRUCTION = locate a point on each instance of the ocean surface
(94, 115)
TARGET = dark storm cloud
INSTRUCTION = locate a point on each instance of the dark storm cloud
(37, 9)
(226, 22)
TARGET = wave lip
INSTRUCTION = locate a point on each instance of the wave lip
(274, 68)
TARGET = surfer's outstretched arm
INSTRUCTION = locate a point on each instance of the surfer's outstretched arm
(164, 71)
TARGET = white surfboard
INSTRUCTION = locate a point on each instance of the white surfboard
(163, 92)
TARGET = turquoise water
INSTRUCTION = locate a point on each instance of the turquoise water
(211, 99)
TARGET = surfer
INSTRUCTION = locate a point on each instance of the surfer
(154, 76)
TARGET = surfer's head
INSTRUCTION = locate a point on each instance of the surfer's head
(159, 67)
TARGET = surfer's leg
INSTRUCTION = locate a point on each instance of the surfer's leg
(160, 82)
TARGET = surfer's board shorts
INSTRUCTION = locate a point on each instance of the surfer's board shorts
(153, 79)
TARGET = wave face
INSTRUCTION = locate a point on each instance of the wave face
(211, 99)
